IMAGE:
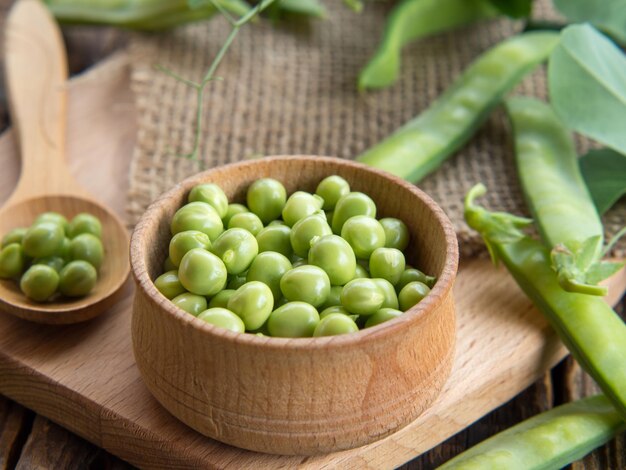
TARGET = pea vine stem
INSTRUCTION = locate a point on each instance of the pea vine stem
(209, 76)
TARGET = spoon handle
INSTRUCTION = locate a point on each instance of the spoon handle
(36, 75)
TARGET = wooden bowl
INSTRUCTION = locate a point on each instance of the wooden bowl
(297, 396)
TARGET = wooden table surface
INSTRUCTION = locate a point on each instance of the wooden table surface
(28, 440)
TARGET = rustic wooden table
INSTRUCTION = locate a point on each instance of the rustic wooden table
(28, 440)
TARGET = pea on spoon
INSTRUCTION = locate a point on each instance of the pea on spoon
(36, 74)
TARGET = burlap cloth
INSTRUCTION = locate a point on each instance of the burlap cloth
(290, 89)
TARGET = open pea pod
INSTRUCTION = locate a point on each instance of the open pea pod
(561, 205)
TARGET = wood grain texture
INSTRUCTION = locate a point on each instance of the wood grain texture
(49, 447)
(15, 424)
(533, 400)
(36, 70)
(84, 377)
(301, 396)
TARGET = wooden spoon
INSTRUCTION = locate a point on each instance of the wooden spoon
(36, 74)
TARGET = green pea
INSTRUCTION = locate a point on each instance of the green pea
(253, 302)
(190, 303)
(55, 262)
(169, 285)
(381, 316)
(56, 218)
(354, 203)
(247, 221)
(391, 298)
(269, 268)
(275, 238)
(362, 296)
(335, 309)
(211, 194)
(43, 239)
(232, 210)
(235, 281)
(305, 231)
(182, 242)
(411, 294)
(412, 274)
(293, 320)
(221, 298)
(387, 263)
(77, 278)
(266, 197)
(335, 324)
(335, 256)
(331, 189)
(396, 233)
(364, 234)
(85, 223)
(223, 318)
(237, 248)
(306, 284)
(300, 205)
(197, 216)
(39, 282)
(360, 272)
(87, 247)
(12, 261)
(168, 265)
(14, 236)
(334, 297)
(202, 273)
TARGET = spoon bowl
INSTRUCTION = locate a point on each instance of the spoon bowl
(111, 275)
(36, 73)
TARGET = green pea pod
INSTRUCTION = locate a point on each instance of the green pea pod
(411, 20)
(551, 439)
(147, 15)
(591, 330)
(423, 143)
(311, 8)
(558, 198)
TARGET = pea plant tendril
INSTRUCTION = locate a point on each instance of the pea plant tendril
(209, 76)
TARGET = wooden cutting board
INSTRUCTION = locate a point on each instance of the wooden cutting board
(84, 376)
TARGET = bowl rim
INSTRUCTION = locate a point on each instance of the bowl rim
(439, 291)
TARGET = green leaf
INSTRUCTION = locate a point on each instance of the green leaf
(604, 171)
(601, 271)
(588, 252)
(607, 15)
(514, 8)
(587, 81)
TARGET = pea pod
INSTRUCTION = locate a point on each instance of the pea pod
(312, 8)
(423, 143)
(558, 198)
(551, 439)
(411, 20)
(142, 14)
(591, 330)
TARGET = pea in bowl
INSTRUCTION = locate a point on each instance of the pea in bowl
(299, 396)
